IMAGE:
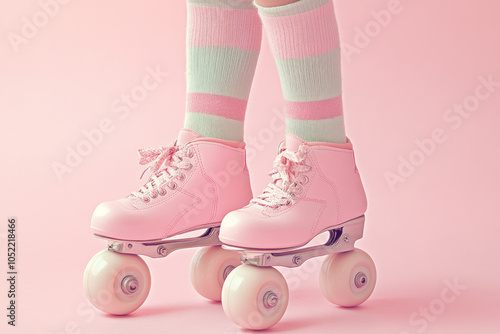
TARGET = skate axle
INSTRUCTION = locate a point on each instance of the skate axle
(342, 239)
(162, 248)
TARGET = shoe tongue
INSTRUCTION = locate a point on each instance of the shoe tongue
(186, 136)
(292, 142)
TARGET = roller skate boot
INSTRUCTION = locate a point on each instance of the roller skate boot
(194, 183)
(315, 188)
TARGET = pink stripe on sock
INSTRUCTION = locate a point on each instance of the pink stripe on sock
(245, 27)
(314, 110)
(304, 34)
(218, 105)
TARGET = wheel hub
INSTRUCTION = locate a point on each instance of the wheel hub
(129, 284)
(270, 299)
(227, 271)
(360, 280)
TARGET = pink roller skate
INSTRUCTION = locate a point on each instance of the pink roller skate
(315, 188)
(193, 185)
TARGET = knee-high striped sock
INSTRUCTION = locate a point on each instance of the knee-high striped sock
(223, 44)
(304, 40)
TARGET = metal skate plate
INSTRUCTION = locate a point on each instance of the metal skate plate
(342, 239)
(161, 248)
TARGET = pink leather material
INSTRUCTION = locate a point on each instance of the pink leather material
(231, 143)
(292, 142)
(347, 145)
(333, 195)
(217, 183)
(186, 135)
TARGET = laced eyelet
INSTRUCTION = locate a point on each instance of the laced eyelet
(154, 194)
(145, 199)
(163, 192)
(172, 185)
(181, 177)
(306, 179)
(288, 202)
(189, 166)
(190, 153)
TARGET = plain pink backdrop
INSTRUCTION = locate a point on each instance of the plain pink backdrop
(438, 226)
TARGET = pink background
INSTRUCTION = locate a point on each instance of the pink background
(439, 225)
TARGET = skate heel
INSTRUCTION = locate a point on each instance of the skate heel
(342, 238)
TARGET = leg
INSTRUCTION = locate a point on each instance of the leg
(223, 43)
(304, 39)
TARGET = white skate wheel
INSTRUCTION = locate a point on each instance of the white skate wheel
(255, 298)
(209, 268)
(116, 283)
(348, 279)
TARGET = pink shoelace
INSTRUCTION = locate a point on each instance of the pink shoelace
(168, 164)
(287, 179)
